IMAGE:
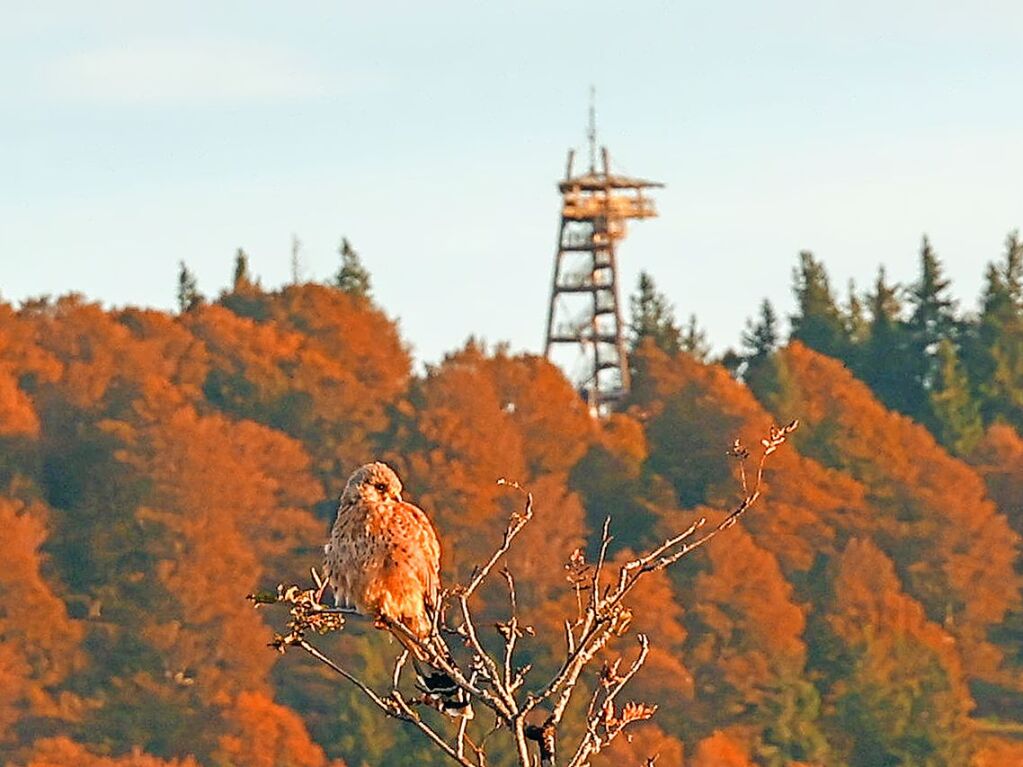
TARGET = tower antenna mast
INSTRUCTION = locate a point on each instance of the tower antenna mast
(591, 132)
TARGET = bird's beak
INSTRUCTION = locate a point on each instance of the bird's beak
(397, 497)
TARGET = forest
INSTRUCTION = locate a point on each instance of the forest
(156, 467)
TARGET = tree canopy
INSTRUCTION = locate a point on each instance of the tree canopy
(156, 467)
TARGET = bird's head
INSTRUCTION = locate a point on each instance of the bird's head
(375, 482)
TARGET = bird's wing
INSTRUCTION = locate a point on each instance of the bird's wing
(426, 551)
(343, 561)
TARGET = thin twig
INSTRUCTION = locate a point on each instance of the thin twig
(411, 716)
(399, 664)
(582, 660)
(368, 691)
(442, 661)
(511, 629)
(515, 524)
(463, 725)
(494, 680)
(592, 742)
(509, 708)
(605, 541)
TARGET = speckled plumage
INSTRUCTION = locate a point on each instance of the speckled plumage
(383, 556)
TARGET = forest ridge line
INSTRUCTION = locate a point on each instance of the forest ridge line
(157, 467)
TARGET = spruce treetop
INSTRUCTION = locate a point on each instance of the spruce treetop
(653, 317)
(352, 277)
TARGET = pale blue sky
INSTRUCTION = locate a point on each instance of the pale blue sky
(432, 134)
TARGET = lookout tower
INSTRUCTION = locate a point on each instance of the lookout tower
(584, 319)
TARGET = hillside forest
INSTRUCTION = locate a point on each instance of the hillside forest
(156, 467)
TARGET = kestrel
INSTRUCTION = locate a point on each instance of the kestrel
(383, 559)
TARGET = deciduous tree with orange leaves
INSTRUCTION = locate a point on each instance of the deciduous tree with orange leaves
(155, 467)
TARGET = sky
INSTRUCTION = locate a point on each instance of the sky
(137, 135)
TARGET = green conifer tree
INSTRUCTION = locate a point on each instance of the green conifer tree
(818, 321)
(693, 340)
(761, 337)
(932, 320)
(856, 322)
(994, 346)
(653, 317)
(954, 411)
(242, 281)
(756, 365)
(881, 362)
(352, 277)
(189, 296)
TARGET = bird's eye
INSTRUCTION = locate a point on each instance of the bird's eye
(381, 487)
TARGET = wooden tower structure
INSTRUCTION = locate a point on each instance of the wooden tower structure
(584, 315)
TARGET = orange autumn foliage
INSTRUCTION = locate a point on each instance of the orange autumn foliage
(64, 752)
(290, 381)
(998, 752)
(463, 436)
(958, 551)
(745, 631)
(806, 506)
(645, 740)
(39, 643)
(467, 431)
(229, 497)
(872, 552)
(624, 436)
(555, 426)
(998, 458)
(20, 358)
(367, 365)
(101, 360)
(870, 603)
(17, 683)
(755, 627)
(168, 349)
(261, 733)
(478, 418)
(349, 329)
(17, 416)
(901, 663)
(557, 526)
(720, 750)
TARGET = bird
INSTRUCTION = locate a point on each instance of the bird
(383, 559)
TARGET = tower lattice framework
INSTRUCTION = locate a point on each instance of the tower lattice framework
(585, 313)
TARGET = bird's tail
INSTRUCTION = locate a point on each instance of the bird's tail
(440, 689)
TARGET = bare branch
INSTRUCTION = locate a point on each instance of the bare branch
(605, 541)
(515, 524)
(606, 719)
(463, 725)
(579, 574)
(439, 656)
(393, 705)
(410, 715)
(511, 633)
(508, 707)
(369, 692)
(493, 679)
(399, 664)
